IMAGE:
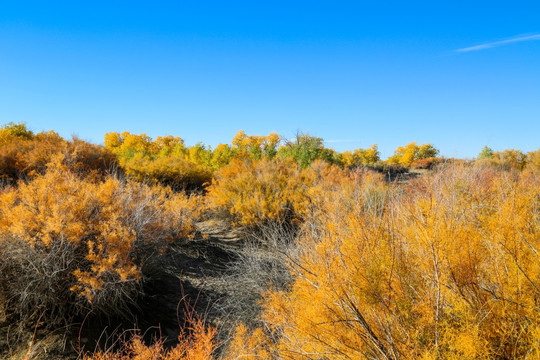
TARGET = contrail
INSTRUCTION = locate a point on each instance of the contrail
(520, 38)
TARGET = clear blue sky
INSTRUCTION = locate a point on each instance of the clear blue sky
(459, 74)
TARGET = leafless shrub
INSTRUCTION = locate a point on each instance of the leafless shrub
(82, 250)
(261, 266)
(36, 284)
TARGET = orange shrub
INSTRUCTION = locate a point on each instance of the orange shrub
(257, 192)
(426, 163)
(23, 154)
(200, 345)
(250, 345)
(446, 268)
(277, 191)
(72, 244)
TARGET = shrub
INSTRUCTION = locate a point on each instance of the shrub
(426, 163)
(72, 245)
(165, 160)
(197, 343)
(405, 155)
(360, 157)
(255, 147)
(257, 192)
(534, 159)
(511, 158)
(177, 173)
(448, 268)
(391, 170)
(25, 155)
(86, 159)
(11, 131)
(305, 149)
(486, 153)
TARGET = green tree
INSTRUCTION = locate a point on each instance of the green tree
(486, 153)
(305, 149)
(12, 130)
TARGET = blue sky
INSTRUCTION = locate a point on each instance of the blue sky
(458, 74)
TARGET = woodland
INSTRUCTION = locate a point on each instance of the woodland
(264, 248)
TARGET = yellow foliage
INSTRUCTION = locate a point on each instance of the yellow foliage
(273, 190)
(169, 144)
(127, 145)
(165, 160)
(249, 345)
(443, 267)
(255, 147)
(222, 155)
(200, 345)
(255, 192)
(511, 158)
(405, 155)
(175, 172)
(533, 158)
(104, 220)
(359, 157)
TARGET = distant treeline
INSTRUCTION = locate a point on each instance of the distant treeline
(167, 160)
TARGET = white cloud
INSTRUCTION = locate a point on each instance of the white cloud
(520, 38)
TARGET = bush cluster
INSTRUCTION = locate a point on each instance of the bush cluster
(71, 245)
(353, 265)
(445, 266)
(24, 154)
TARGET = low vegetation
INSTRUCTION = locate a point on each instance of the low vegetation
(285, 248)
(446, 267)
